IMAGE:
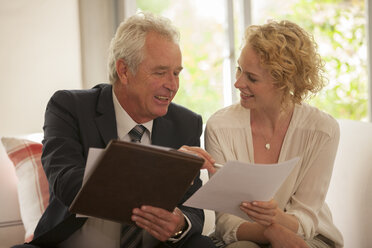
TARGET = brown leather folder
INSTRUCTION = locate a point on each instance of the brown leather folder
(128, 175)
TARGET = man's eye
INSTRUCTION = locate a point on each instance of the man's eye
(159, 73)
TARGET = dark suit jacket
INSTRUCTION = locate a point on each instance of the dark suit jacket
(79, 119)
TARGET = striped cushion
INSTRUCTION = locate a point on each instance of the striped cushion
(33, 192)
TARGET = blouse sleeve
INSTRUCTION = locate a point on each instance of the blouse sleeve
(308, 198)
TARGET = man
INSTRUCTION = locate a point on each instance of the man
(144, 65)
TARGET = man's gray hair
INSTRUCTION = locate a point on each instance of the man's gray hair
(130, 37)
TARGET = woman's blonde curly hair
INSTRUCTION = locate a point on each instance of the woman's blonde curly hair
(290, 54)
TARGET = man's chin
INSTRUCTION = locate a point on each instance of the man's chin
(161, 112)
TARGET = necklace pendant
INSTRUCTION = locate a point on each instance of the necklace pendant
(267, 146)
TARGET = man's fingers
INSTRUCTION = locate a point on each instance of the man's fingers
(152, 215)
(160, 223)
(159, 232)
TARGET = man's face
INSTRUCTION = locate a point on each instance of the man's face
(152, 88)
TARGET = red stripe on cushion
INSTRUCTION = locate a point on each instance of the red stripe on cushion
(28, 150)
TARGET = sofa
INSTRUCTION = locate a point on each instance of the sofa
(23, 198)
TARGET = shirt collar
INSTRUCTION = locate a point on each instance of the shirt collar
(124, 122)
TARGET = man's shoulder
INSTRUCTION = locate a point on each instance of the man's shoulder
(176, 110)
(82, 100)
(78, 93)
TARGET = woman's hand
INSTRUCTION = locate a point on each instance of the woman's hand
(208, 160)
(267, 213)
(264, 213)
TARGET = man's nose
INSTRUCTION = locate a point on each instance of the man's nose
(172, 82)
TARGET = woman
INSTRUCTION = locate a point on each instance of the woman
(277, 69)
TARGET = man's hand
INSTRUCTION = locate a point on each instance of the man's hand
(208, 160)
(158, 222)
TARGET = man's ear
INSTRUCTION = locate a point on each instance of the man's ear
(122, 70)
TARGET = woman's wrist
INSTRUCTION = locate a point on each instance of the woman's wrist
(249, 231)
(289, 221)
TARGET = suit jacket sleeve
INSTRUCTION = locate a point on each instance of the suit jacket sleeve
(63, 156)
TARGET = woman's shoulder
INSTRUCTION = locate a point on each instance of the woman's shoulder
(233, 115)
(310, 117)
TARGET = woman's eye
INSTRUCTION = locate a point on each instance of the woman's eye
(250, 78)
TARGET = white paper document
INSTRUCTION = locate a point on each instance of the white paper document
(237, 182)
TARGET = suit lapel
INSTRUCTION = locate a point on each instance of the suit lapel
(105, 119)
(162, 131)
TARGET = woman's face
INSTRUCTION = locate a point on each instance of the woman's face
(257, 89)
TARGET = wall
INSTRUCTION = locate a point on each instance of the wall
(98, 21)
(39, 53)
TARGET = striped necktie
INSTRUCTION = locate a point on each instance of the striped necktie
(131, 235)
(136, 133)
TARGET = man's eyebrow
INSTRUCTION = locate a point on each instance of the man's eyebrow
(163, 67)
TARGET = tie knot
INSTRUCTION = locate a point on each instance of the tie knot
(136, 133)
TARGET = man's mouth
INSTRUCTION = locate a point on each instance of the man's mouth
(162, 98)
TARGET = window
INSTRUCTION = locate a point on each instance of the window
(211, 41)
(203, 45)
(339, 29)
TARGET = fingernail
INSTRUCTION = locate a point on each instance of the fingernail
(255, 203)
(245, 204)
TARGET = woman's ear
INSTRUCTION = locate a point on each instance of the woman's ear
(122, 71)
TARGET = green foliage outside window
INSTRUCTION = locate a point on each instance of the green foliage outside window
(201, 79)
(339, 29)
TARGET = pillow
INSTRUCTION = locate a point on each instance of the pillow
(33, 190)
(11, 226)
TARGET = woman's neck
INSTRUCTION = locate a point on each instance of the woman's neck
(271, 119)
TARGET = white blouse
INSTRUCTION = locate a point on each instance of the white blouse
(313, 136)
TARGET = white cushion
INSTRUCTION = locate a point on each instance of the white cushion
(33, 190)
(350, 191)
(11, 227)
